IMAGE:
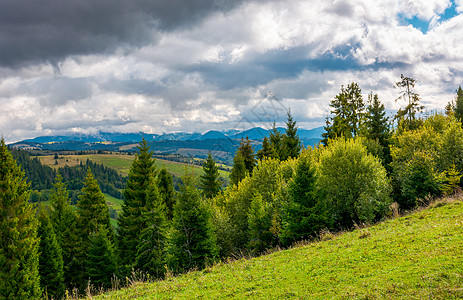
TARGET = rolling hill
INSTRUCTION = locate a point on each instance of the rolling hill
(418, 256)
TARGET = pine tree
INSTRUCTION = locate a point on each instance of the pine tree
(276, 142)
(166, 191)
(348, 110)
(292, 144)
(266, 151)
(19, 258)
(101, 261)
(209, 182)
(192, 241)
(247, 152)
(238, 171)
(407, 117)
(130, 220)
(152, 245)
(303, 215)
(64, 220)
(376, 126)
(459, 104)
(50, 259)
(92, 208)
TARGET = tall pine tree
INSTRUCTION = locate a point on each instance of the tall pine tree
(292, 144)
(50, 259)
(303, 215)
(151, 249)
(238, 171)
(192, 241)
(406, 117)
(19, 258)
(64, 220)
(101, 263)
(459, 104)
(209, 181)
(276, 142)
(266, 151)
(130, 221)
(348, 110)
(166, 191)
(377, 127)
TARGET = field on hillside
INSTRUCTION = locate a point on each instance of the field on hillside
(418, 256)
(121, 163)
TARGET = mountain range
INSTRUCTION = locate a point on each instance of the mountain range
(256, 133)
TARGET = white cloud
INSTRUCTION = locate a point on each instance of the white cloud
(213, 74)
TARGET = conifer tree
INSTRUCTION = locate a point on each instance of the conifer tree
(19, 258)
(407, 117)
(64, 220)
(50, 259)
(376, 126)
(92, 208)
(303, 215)
(266, 151)
(192, 241)
(459, 104)
(291, 142)
(209, 181)
(247, 152)
(238, 171)
(276, 142)
(130, 220)
(101, 263)
(348, 110)
(151, 249)
(166, 191)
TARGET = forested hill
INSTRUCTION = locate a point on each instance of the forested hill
(42, 177)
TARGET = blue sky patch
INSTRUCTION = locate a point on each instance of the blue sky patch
(423, 25)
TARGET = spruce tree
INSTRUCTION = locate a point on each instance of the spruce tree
(266, 151)
(459, 104)
(276, 142)
(101, 263)
(238, 171)
(303, 215)
(19, 258)
(92, 208)
(64, 220)
(291, 142)
(166, 191)
(209, 181)
(192, 242)
(151, 249)
(130, 220)
(377, 127)
(348, 110)
(50, 260)
(247, 152)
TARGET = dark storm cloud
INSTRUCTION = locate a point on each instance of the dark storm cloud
(34, 31)
(283, 64)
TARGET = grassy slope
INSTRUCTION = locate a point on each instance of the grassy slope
(121, 163)
(417, 256)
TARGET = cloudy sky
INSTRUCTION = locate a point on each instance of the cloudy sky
(194, 65)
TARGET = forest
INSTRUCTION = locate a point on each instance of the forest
(367, 167)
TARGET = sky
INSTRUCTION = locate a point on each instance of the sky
(83, 66)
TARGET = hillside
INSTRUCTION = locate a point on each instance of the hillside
(416, 256)
(121, 163)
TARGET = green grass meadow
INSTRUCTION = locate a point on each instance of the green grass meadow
(122, 163)
(418, 256)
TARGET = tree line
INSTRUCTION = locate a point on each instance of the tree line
(281, 195)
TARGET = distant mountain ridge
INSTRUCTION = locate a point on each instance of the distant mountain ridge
(256, 133)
